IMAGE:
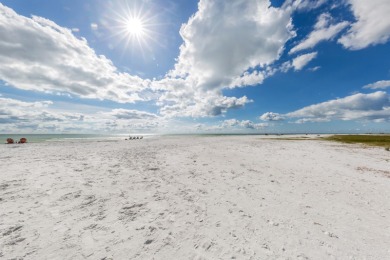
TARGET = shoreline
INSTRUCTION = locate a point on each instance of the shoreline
(38, 138)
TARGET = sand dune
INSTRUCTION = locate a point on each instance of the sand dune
(227, 197)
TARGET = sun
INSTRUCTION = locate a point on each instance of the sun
(135, 26)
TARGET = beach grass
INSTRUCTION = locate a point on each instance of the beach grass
(372, 140)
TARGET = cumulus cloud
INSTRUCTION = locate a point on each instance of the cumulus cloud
(131, 114)
(201, 106)
(304, 5)
(225, 45)
(298, 63)
(382, 84)
(270, 116)
(372, 24)
(373, 106)
(37, 54)
(248, 79)
(301, 61)
(251, 125)
(222, 41)
(323, 31)
(231, 123)
(45, 116)
(16, 111)
(311, 120)
(127, 120)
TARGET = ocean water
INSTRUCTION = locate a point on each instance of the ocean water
(37, 138)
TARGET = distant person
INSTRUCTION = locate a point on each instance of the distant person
(10, 141)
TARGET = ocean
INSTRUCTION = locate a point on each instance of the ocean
(37, 138)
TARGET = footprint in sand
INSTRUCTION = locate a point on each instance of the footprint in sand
(130, 213)
(88, 200)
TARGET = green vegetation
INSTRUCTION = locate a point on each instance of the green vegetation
(374, 140)
(382, 140)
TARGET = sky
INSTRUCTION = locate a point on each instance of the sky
(207, 66)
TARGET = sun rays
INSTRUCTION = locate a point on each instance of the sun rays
(134, 27)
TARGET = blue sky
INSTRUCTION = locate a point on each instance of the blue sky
(215, 66)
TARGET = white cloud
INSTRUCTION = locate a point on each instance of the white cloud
(323, 31)
(251, 125)
(230, 125)
(270, 116)
(372, 26)
(222, 41)
(323, 21)
(37, 54)
(301, 61)
(127, 120)
(131, 114)
(75, 30)
(304, 5)
(315, 68)
(248, 79)
(373, 106)
(298, 63)
(94, 26)
(20, 112)
(199, 106)
(312, 120)
(382, 84)
(46, 116)
(252, 78)
(247, 124)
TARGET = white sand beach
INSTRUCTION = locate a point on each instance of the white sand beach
(194, 197)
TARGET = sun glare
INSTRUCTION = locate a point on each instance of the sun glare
(135, 26)
(135, 29)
